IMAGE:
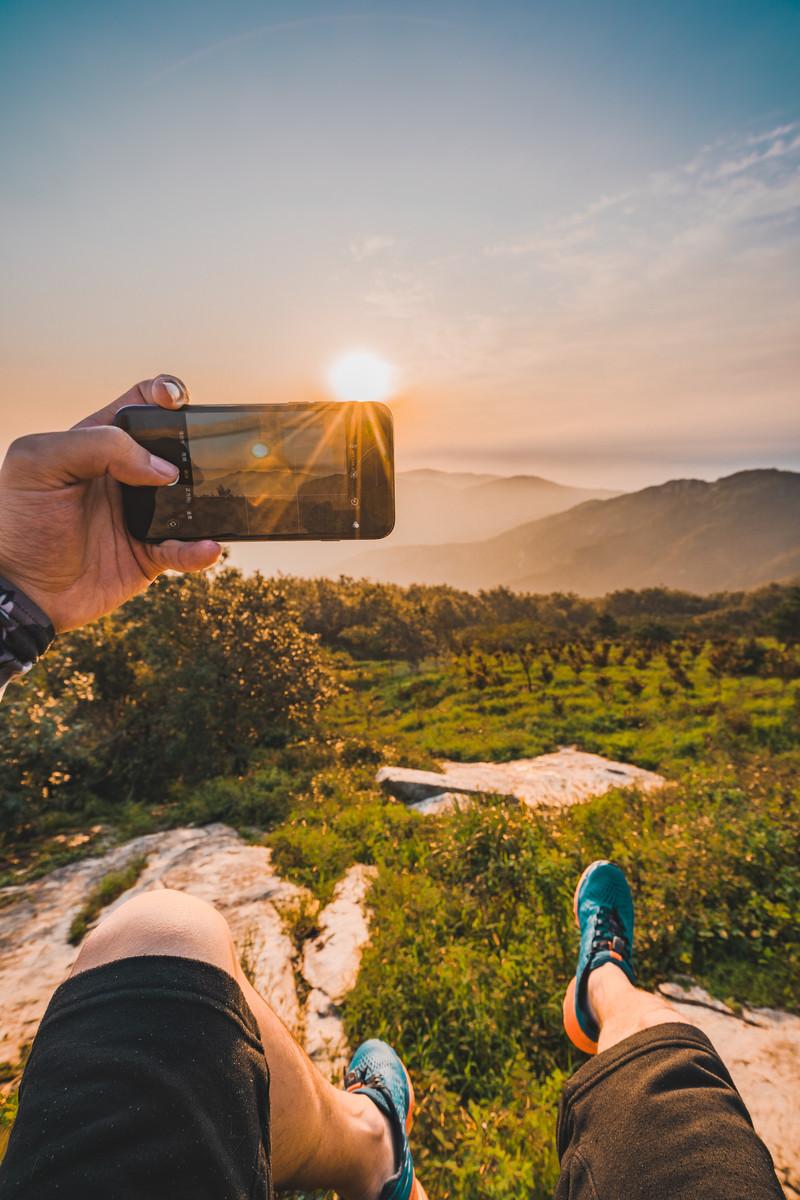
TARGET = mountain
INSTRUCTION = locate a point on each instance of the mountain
(433, 507)
(738, 532)
(440, 506)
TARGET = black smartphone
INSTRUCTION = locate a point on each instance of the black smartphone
(264, 472)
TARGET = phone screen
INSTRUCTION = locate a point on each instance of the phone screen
(271, 471)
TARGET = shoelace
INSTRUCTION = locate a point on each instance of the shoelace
(359, 1079)
(609, 933)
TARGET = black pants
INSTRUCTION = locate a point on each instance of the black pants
(657, 1117)
(147, 1081)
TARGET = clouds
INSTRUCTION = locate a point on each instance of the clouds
(369, 245)
(724, 186)
(662, 319)
(719, 215)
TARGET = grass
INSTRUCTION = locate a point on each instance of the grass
(109, 889)
(620, 709)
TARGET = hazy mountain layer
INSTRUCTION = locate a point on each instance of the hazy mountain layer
(433, 507)
(741, 531)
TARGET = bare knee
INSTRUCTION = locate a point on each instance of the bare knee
(160, 922)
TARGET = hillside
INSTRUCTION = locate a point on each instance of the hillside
(738, 532)
(433, 507)
(259, 788)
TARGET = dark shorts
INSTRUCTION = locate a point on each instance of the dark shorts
(657, 1117)
(146, 1081)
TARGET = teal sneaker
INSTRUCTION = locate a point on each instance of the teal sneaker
(376, 1071)
(603, 908)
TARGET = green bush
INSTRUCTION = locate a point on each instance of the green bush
(182, 684)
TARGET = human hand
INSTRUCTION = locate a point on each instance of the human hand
(63, 539)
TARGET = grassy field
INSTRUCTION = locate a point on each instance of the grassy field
(472, 935)
(472, 931)
(660, 710)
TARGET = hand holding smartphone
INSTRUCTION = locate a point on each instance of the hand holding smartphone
(264, 472)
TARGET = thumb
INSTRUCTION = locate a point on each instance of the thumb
(183, 556)
(79, 454)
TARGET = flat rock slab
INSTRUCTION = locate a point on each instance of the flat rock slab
(549, 781)
(761, 1049)
(35, 956)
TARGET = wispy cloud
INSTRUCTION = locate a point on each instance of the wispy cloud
(717, 202)
(397, 294)
(370, 244)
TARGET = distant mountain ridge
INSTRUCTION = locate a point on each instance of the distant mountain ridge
(433, 507)
(443, 506)
(737, 532)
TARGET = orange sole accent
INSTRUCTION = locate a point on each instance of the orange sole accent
(417, 1191)
(571, 1026)
(411, 1102)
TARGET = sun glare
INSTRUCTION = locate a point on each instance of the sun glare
(362, 376)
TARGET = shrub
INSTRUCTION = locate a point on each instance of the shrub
(180, 685)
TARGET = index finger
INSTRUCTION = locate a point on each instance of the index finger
(165, 391)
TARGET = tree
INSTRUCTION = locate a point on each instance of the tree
(786, 619)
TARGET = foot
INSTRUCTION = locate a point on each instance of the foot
(603, 908)
(377, 1072)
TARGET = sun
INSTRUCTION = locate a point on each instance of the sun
(363, 376)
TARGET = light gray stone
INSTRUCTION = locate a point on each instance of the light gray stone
(442, 802)
(692, 994)
(325, 1041)
(331, 960)
(550, 781)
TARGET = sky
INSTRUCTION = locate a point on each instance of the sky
(574, 227)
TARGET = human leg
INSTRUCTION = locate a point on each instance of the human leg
(321, 1136)
(654, 1113)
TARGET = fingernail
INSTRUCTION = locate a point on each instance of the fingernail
(169, 471)
(173, 391)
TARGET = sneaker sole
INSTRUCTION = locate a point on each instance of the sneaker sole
(571, 1026)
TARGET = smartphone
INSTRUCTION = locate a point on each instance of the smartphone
(264, 472)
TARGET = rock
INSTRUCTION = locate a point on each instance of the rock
(761, 1049)
(332, 959)
(325, 1042)
(692, 994)
(551, 780)
(242, 883)
(35, 956)
(442, 802)
(217, 865)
